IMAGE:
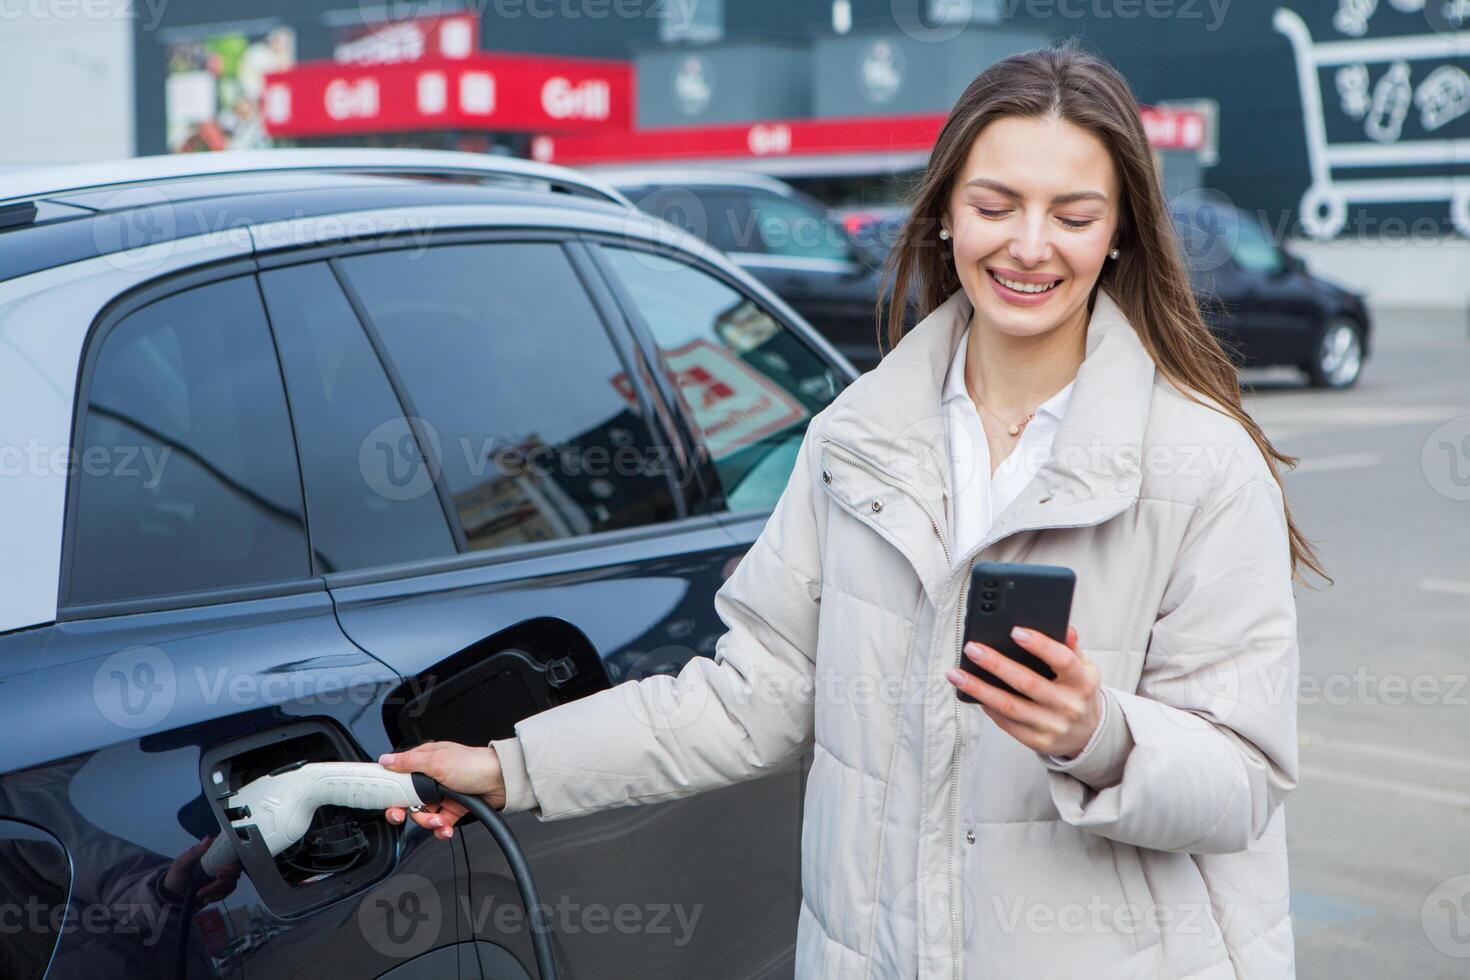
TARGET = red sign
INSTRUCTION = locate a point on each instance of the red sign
(1166, 128)
(787, 137)
(490, 92)
(734, 405)
(452, 37)
(1173, 129)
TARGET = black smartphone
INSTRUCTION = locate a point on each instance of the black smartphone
(1007, 594)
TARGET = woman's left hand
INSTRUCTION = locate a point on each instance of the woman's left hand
(1060, 715)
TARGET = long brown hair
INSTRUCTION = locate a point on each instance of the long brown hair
(1148, 280)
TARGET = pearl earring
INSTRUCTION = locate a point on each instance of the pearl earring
(944, 233)
(1113, 254)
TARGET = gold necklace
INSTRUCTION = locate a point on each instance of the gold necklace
(1013, 429)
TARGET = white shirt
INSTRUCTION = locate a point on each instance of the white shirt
(977, 497)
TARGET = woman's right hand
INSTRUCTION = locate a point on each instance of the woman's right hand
(462, 768)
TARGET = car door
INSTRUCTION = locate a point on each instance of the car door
(749, 382)
(581, 563)
(1280, 310)
(195, 647)
(1249, 295)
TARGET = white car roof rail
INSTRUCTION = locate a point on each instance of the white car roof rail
(675, 176)
(48, 182)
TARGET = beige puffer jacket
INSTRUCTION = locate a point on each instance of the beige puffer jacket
(934, 845)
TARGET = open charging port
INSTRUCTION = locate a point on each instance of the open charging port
(343, 850)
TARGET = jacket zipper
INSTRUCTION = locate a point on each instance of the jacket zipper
(954, 774)
(878, 475)
(954, 780)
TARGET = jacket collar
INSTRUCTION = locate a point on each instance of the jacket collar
(894, 421)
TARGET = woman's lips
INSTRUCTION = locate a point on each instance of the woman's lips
(1016, 297)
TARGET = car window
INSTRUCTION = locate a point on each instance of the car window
(187, 477)
(369, 493)
(750, 384)
(791, 228)
(522, 395)
(1253, 249)
(720, 217)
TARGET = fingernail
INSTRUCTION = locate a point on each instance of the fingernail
(435, 822)
(1020, 633)
(953, 674)
(385, 759)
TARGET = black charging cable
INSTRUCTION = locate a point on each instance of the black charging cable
(431, 791)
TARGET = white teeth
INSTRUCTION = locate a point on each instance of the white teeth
(1024, 287)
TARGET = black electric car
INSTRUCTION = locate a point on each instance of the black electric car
(1262, 302)
(310, 454)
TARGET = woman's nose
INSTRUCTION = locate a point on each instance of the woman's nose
(1031, 246)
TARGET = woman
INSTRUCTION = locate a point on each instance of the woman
(1062, 403)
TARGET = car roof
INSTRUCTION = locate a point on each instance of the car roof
(37, 183)
(85, 222)
(666, 177)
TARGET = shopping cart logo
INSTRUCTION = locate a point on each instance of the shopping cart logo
(1384, 99)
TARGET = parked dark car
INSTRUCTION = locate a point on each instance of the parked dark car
(1263, 303)
(781, 236)
(321, 453)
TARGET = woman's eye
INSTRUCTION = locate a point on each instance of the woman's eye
(1002, 212)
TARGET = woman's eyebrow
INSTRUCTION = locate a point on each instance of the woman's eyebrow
(996, 185)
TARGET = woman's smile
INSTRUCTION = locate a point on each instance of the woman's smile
(1021, 288)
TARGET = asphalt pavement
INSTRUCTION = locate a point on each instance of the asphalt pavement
(1379, 828)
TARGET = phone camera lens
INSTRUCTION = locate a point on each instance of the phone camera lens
(988, 595)
(987, 607)
(990, 583)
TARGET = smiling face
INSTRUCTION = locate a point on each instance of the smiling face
(1033, 212)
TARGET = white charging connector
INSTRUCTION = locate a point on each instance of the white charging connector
(280, 805)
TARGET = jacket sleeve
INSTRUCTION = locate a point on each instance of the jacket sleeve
(738, 715)
(1201, 755)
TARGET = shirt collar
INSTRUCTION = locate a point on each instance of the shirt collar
(954, 384)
